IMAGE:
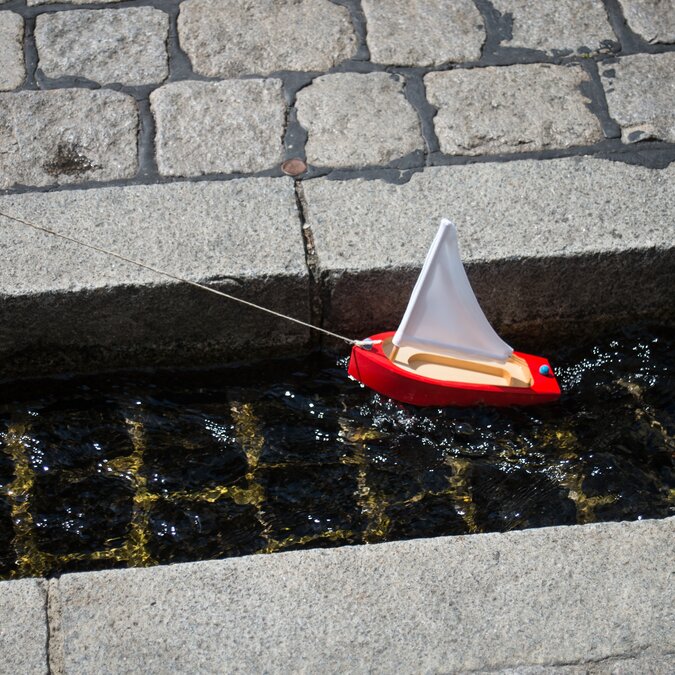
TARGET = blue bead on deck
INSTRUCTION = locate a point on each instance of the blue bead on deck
(545, 370)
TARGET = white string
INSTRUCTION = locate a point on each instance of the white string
(175, 277)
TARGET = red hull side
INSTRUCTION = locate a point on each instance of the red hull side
(375, 370)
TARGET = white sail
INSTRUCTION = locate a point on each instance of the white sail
(443, 314)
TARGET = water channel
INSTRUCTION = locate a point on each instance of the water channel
(143, 468)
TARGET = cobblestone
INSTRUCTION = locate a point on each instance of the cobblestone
(654, 20)
(104, 45)
(423, 32)
(66, 136)
(556, 25)
(214, 127)
(640, 91)
(226, 39)
(12, 70)
(357, 120)
(511, 109)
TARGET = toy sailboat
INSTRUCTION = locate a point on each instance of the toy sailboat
(445, 352)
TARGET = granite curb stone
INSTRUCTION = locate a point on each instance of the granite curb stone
(218, 127)
(555, 25)
(653, 20)
(423, 32)
(640, 664)
(125, 46)
(201, 231)
(12, 69)
(67, 136)
(517, 108)
(543, 240)
(355, 120)
(640, 91)
(23, 626)
(530, 598)
(228, 39)
(243, 236)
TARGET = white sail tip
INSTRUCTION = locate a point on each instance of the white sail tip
(448, 224)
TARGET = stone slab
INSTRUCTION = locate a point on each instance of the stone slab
(238, 37)
(218, 127)
(12, 69)
(544, 241)
(23, 627)
(564, 595)
(66, 136)
(423, 32)
(355, 120)
(517, 108)
(555, 25)
(640, 91)
(642, 664)
(61, 303)
(653, 20)
(126, 46)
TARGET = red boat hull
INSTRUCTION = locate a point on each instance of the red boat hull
(375, 370)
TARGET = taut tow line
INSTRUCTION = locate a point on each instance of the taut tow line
(175, 277)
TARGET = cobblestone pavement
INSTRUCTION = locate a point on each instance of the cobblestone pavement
(153, 90)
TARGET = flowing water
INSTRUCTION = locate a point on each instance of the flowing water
(146, 468)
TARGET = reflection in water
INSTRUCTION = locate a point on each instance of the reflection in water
(152, 468)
